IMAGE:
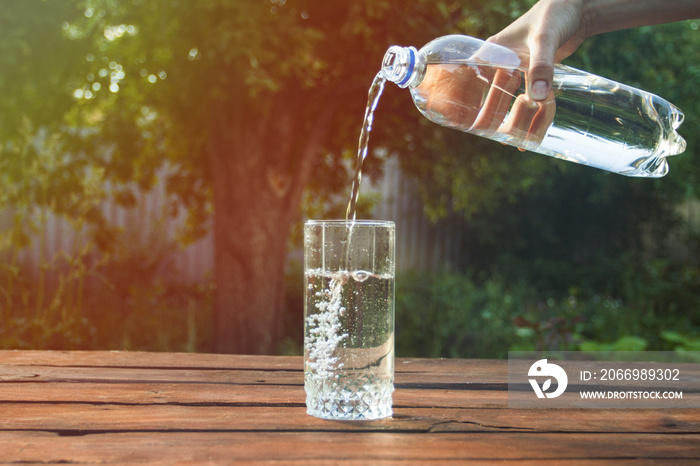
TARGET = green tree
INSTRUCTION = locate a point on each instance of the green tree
(550, 220)
(244, 101)
(250, 103)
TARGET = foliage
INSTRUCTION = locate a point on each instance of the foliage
(44, 309)
(457, 315)
(99, 91)
(138, 302)
(682, 341)
(87, 300)
(449, 315)
(624, 343)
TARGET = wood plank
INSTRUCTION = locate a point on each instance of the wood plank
(229, 395)
(225, 394)
(80, 417)
(224, 386)
(333, 446)
(201, 361)
(152, 393)
(129, 407)
(62, 374)
(59, 374)
(444, 365)
(137, 359)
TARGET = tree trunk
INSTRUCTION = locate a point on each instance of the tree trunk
(259, 170)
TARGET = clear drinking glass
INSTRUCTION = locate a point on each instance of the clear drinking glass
(349, 318)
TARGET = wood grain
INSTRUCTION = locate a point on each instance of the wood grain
(121, 407)
(371, 447)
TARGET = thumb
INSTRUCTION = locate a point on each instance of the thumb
(541, 70)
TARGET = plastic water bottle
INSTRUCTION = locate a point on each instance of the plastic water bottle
(480, 88)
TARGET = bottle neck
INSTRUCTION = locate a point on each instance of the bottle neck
(404, 66)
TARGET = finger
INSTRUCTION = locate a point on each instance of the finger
(541, 121)
(454, 93)
(497, 102)
(541, 68)
(529, 121)
(517, 126)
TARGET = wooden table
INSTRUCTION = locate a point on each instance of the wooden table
(125, 407)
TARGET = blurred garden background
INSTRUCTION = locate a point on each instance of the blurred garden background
(158, 157)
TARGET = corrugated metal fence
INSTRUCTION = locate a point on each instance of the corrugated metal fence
(420, 244)
(145, 227)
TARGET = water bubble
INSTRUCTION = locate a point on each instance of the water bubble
(361, 275)
(342, 311)
(327, 294)
(310, 287)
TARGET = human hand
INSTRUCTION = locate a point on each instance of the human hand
(486, 101)
(553, 29)
(549, 32)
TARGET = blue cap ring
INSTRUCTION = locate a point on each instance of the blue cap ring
(411, 66)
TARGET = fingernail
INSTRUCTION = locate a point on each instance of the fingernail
(539, 90)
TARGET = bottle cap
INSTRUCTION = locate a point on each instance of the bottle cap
(399, 64)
